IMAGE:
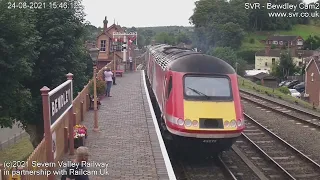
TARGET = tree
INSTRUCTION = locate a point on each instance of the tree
(183, 38)
(165, 38)
(285, 67)
(38, 48)
(18, 40)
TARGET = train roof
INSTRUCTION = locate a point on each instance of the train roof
(186, 60)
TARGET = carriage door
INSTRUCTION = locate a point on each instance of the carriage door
(167, 90)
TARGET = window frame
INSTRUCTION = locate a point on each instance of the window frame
(168, 92)
(211, 98)
(105, 45)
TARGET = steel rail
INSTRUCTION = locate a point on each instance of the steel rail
(281, 140)
(226, 170)
(284, 113)
(284, 105)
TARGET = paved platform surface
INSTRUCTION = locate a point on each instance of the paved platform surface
(127, 140)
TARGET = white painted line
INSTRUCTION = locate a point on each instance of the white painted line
(164, 152)
(309, 120)
(298, 123)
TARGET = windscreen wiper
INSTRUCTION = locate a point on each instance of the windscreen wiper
(198, 92)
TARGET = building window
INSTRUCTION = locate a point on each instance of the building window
(275, 42)
(273, 61)
(266, 64)
(280, 42)
(311, 76)
(299, 42)
(103, 45)
(300, 63)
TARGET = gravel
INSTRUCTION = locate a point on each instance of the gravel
(237, 166)
(302, 137)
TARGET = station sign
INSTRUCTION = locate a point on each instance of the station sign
(60, 100)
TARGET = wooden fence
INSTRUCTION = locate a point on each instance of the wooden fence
(80, 107)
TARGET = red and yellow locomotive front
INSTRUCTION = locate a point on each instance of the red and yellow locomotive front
(204, 106)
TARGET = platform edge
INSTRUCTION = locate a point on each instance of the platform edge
(156, 125)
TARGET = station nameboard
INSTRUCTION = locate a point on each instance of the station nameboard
(60, 100)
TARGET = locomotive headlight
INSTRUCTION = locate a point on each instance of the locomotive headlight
(233, 123)
(180, 122)
(239, 123)
(195, 123)
(187, 122)
(226, 124)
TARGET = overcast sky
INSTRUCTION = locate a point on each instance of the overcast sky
(141, 13)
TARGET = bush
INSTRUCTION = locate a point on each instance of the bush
(284, 90)
(101, 87)
(251, 41)
(247, 55)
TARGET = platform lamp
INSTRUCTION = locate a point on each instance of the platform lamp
(94, 53)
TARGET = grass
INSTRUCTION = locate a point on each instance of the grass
(302, 30)
(19, 151)
(251, 86)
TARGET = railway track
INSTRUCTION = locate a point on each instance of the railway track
(300, 115)
(284, 161)
(199, 169)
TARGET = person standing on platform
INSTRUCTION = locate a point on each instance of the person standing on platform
(108, 78)
(131, 63)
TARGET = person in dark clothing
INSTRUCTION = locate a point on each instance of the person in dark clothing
(114, 79)
(76, 171)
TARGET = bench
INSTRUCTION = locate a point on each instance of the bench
(92, 102)
(118, 73)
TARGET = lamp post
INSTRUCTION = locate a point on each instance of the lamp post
(94, 53)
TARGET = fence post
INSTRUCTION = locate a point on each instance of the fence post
(71, 138)
(65, 135)
(74, 119)
(1, 172)
(47, 130)
(88, 101)
(81, 111)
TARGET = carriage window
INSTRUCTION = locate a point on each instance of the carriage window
(201, 87)
(169, 87)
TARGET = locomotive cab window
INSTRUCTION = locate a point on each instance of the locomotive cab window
(169, 87)
(207, 88)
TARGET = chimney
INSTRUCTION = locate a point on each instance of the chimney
(105, 23)
(267, 50)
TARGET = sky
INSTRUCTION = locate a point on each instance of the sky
(141, 13)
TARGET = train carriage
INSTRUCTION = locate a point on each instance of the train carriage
(198, 97)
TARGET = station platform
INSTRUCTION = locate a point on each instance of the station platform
(129, 139)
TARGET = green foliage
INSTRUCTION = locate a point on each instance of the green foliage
(251, 41)
(247, 55)
(273, 46)
(101, 88)
(165, 38)
(312, 43)
(285, 67)
(38, 48)
(18, 40)
(284, 90)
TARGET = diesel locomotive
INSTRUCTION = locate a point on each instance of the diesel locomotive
(198, 96)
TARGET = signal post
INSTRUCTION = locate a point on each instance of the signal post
(125, 36)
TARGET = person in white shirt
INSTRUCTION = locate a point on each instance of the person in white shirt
(108, 78)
